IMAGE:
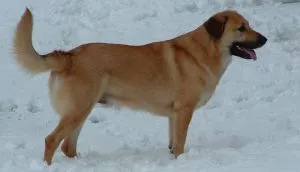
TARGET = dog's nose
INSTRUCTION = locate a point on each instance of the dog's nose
(261, 39)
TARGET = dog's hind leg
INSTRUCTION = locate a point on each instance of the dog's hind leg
(70, 142)
(74, 101)
(67, 124)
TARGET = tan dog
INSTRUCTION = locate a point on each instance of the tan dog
(170, 78)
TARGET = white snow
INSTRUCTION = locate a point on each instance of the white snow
(252, 123)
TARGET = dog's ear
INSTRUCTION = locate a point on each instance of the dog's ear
(215, 26)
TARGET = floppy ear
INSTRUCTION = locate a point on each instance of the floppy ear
(215, 26)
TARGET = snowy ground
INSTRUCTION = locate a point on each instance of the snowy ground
(251, 124)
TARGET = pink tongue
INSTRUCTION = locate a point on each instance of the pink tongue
(252, 54)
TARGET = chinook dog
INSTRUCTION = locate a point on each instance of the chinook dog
(171, 78)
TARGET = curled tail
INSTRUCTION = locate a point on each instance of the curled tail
(26, 55)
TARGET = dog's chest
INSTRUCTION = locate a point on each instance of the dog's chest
(211, 81)
(207, 91)
(204, 98)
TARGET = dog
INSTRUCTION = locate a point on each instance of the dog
(171, 78)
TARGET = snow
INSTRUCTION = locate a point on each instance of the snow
(250, 124)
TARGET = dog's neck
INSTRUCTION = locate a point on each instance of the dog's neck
(226, 58)
(205, 49)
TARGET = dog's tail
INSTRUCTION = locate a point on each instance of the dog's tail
(26, 55)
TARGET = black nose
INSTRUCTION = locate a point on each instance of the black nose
(261, 39)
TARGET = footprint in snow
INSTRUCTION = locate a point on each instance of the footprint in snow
(8, 107)
(96, 119)
(187, 8)
(241, 99)
(144, 16)
(33, 108)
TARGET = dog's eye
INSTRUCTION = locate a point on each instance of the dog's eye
(242, 28)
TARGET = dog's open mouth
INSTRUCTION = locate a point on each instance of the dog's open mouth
(240, 50)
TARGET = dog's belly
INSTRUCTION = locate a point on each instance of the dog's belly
(154, 108)
(151, 97)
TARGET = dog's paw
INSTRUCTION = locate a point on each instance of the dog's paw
(171, 149)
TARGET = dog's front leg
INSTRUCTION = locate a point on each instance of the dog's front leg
(171, 124)
(181, 123)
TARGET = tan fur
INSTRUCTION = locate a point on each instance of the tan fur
(26, 55)
(171, 78)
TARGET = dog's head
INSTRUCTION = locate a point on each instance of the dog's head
(234, 32)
